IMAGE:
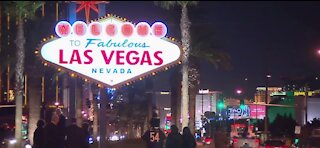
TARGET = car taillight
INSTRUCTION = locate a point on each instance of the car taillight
(257, 140)
(208, 140)
(235, 140)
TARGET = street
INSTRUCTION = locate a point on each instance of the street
(138, 143)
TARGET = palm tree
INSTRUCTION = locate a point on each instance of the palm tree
(186, 42)
(34, 92)
(21, 10)
(205, 48)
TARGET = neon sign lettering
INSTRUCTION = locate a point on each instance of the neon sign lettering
(110, 51)
(127, 29)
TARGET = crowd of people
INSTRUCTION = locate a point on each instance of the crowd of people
(155, 137)
(56, 134)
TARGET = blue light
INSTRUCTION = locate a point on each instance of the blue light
(90, 140)
(110, 92)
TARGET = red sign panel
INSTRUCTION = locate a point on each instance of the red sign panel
(257, 111)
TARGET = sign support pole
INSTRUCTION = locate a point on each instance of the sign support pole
(102, 118)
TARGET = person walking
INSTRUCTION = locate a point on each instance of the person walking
(154, 137)
(38, 135)
(51, 137)
(74, 136)
(174, 139)
(188, 140)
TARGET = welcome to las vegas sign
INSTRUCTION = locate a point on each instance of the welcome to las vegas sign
(111, 51)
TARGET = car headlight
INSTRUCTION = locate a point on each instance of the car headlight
(27, 146)
(13, 141)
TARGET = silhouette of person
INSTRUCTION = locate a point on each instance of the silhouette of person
(74, 136)
(154, 137)
(51, 137)
(174, 139)
(188, 140)
(61, 126)
(85, 128)
(38, 135)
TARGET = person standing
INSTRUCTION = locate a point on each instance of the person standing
(38, 135)
(188, 140)
(154, 137)
(174, 139)
(51, 137)
(85, 128)
(61, 127)
(74, 136)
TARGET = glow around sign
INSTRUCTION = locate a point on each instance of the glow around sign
(110, 51)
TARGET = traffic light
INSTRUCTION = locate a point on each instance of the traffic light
(242, 106)
(296, 141)
(221, 104)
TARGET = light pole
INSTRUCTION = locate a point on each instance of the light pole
(238, 91)
(266, 102)
(202, 103)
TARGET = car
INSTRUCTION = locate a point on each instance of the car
(207, 140)
(245, 142)
(275, 143)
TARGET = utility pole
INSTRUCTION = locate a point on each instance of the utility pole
(266, 102)
(306, 104)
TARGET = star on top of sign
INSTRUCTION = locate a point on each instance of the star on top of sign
(87, 5)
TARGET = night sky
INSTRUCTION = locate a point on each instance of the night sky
(275, 37)
(280, 38)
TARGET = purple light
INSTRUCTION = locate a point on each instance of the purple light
(239, 91)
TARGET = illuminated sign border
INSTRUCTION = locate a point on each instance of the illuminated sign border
(99, 83)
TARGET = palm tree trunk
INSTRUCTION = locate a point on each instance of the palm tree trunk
(34, 104)
(185, 35)
(19, 80)
(193, 90)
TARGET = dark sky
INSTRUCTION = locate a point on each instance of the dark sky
(278, 37)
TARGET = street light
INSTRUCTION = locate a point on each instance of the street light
(266, 102)
(239, 91)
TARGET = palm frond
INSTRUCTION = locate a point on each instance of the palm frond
(22, 9)
(187, 3)
(205, 46)
(166, 4)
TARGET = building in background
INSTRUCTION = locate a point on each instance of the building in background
(206, 100)
(259, 96)
(163, 103)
